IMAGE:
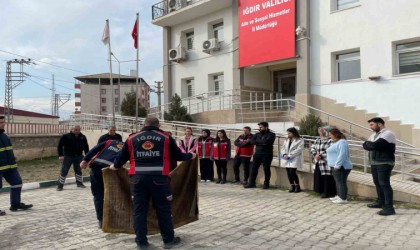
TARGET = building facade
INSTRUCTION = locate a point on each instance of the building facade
(23, 116)
(328, 54)
(95, 96)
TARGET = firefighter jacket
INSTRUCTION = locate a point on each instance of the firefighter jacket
(103, 154)
(7, 158)
(244, 148)
(150, 152)
(221, 150)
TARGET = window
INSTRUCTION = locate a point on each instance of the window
(117, 109)
(190, 87)
(344, 4)
(116, 92)
(190, 40)
(218, 84)
(218, 31)
(103, 108)
(103, 100)
(348, 66)
(103, 91)
(408, 57)
(117, 101)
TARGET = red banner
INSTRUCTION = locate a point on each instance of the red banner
(266, 31)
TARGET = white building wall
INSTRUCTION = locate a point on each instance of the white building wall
(200, 64)
(259, 78)
(374, 27)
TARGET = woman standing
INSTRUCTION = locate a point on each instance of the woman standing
(338, 156)
(188, 143)
(205, 153)
(323, 180)
(292, 158)
(221, 154)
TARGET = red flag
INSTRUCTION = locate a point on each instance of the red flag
(134, 33)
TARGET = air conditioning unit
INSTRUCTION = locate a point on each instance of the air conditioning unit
(177, 54)
(211, 45)
(172, 4)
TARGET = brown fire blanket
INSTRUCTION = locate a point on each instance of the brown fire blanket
(118, 205)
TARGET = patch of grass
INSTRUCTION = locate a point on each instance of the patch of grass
(42, 169)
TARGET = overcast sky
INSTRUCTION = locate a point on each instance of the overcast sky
(68, 34)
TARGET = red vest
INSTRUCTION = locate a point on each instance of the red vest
(246, 151)
(204, 147)
(220, 150)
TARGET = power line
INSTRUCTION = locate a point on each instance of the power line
(51, 64)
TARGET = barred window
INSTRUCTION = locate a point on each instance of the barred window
(408, 57)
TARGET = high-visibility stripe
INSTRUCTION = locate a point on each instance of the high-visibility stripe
(103, 161)
(8, 166)
(6, 148)
(16, 186)
(147, 169)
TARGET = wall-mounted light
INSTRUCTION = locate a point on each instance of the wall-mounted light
(300, 30)
(374, 78)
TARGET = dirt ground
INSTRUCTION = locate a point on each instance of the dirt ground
(42, 170)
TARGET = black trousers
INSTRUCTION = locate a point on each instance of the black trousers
(12, 176)
(157, 188)
(206, 169)
(292, 176)
(246, 162)
(266, 162)
(382, 178)
(65, 167)
(97, 187)
(221, 167)
(324, 184)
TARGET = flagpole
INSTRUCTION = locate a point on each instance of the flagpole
(137, 70)
(110, 74)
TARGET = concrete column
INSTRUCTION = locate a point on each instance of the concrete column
(167, 70)
(236, 71)
(303, 50)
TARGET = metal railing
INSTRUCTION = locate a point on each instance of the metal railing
(407, 158)
(36, 128)
(168, 6)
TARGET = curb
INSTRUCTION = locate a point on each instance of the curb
(44, 184)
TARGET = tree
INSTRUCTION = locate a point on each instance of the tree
(128, 106)
(177, 112)
(309, 125)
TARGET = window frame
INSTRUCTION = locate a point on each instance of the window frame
(189, 36)
(189, 83)
(338, 61)
(220, 83)
(335, 5)
(402, 51)
(218, 28)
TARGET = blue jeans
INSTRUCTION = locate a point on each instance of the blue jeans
(12, 176)
(97, 187)
(156, 187)
(340, 177)
(381, 177)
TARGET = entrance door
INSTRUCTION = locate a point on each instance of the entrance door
(285, 83)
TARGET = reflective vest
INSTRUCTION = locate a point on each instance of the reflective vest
(107, 155)
(149, 153)
(204, 147)
(220, 150)
(7, 158)
(246, 151)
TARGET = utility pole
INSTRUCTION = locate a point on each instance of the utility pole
(13, 79)
(59, 100)
(53, 110)
(159, 90)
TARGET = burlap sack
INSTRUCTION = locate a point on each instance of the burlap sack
(118, 206)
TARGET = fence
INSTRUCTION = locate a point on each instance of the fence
(35, 128)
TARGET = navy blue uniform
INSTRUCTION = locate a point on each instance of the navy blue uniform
(150, 152)
(99, 157)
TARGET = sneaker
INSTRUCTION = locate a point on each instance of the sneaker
(223, 182)
(250, 186)
(174, 242)
(100, 224)
(386, 212)
(203, 181)
(235, 182)
(80, 185)
(218, 182)
(59, 188)
(244, 183)
(266, 186)
(2, 213)
(323, 196)
(143, 246)
(334, 198)
(339, 201)
(21, 206)
(208, 180)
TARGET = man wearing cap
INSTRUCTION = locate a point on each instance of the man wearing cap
(381, 147)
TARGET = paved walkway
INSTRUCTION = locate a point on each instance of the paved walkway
(231, 217)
